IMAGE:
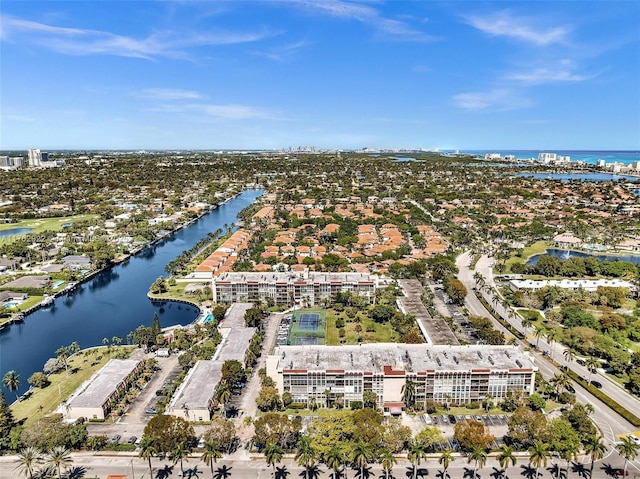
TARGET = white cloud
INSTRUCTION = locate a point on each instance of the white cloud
(168, 94)
(546, 75)
(75, 41)
(505, 24)
(498, 99)
(562, 71)
(218, 111)
(390, 28)
(283, 53)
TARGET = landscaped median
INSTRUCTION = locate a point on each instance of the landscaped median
(628, 415)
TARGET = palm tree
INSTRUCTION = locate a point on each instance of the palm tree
(591, 363)
(147, 450)
(11, 381)
(409, 393)
(526, 323)
(538, 455)
(627, 449)
(539, 334)
(180, 453)
(552, 337)
(445, 459)
(415, 453)
(59, 458)
(488, 402)
(560, 382)
(273, 454)
(224, 393)
(570, 355)
(210, 455)
(479, 455)
(28, 458)
(595, 448)
(305, 454)
(506, 456)
(334, 459)
(388, 460)
(361, 455)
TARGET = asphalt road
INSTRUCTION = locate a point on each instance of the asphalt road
(256, 467)
(610, 423)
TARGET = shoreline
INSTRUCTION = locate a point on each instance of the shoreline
(72, 287)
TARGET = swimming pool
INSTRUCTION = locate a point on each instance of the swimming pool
(209, 318)
(57, 284)
(10, 304)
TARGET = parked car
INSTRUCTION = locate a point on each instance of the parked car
(116, 438)
(151, 410)
(132, 440)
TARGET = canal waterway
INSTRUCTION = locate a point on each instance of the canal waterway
(564, 254)
(113, 303)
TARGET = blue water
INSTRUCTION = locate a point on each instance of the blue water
(10, 304)
(209, 318)
(564, 254)
(57, 283)
(588, 156)
(15, 231)
(113, 303)
(565, 177)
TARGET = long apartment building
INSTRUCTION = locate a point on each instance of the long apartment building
(452, 374)
(285, 288)
(95, 398)
(195, 399)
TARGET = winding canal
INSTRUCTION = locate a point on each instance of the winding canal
(113, 303)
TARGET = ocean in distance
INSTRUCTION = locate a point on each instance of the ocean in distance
(588, 156)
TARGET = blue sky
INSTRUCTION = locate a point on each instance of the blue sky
(329, 74)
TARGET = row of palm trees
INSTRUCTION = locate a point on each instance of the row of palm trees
(362, 454)
(30, 460)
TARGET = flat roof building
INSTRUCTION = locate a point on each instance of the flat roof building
(455, 374)
(285, 288)
(94, 398)
(195, 398)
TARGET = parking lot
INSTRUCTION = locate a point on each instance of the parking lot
(132, 423)
(496, 423)
(283, 330)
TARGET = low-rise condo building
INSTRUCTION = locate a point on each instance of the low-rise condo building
(94, 398)
(286, 288)
(453, 374)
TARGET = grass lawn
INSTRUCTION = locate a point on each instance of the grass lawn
(42, 224)
(177, 292)
(45, 401)
(538, 247)
(371, 332)
(30, 301)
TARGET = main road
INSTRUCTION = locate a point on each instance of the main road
(254, 466)
(611, 424)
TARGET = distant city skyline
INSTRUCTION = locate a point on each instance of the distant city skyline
(216, 75)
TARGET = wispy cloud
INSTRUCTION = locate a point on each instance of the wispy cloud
(218, 111)
(283, 53)
(168, 94)
(387, 27)
(497, 99)
(562, 71)
(527, 29)
(77, 41)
